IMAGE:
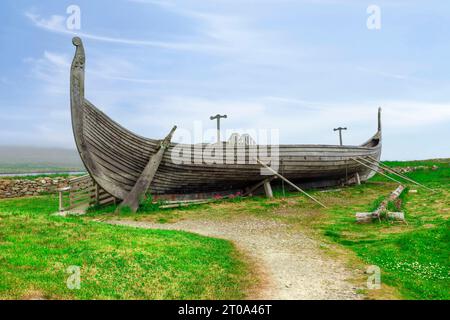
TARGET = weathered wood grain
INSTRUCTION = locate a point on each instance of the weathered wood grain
(116, 158)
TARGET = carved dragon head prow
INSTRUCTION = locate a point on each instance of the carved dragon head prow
(77, 41)
(80, 58)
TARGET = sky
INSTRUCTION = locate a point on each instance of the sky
(301, 67)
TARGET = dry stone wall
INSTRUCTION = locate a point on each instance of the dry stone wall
(11, 188)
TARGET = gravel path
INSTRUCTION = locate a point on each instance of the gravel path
(292, 264)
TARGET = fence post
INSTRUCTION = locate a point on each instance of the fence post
(61, 208)
(97, 194)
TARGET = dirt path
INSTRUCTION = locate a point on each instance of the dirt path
(292, 263)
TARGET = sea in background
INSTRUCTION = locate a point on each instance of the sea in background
(20, 161)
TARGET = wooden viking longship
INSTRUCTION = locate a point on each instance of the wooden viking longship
(127, 165)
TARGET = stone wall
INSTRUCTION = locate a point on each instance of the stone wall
(11, 188)
(411, 169)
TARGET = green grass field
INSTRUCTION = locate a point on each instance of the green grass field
(115, 262)
(414, 257)
(119, 262)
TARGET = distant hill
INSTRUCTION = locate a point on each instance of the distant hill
(35, 159)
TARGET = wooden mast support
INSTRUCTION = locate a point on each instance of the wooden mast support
(143, 183)
(218, 117)
(340, 133)
(290, 183)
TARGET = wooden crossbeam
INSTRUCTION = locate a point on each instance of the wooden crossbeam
(143, 183)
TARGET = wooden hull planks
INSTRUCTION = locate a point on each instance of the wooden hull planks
(116, 158)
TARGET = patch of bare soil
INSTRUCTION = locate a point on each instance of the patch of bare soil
(33, 295)
(292, 264)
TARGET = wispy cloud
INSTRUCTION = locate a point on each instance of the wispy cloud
(217, 33)
(53, 70)
(56, 24)
(235, 34)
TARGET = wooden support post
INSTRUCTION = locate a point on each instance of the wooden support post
(97, 194)
(61, 197)
(290, 183)
(358, 179)
(268, 189)
(143, 183)
(249, 191)
(61, 207)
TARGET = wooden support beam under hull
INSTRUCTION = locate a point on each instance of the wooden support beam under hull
(143, 183)
(290, 183)
(249, 191)
(268, 189)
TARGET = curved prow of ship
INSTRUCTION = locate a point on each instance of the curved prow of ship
(375, 140)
